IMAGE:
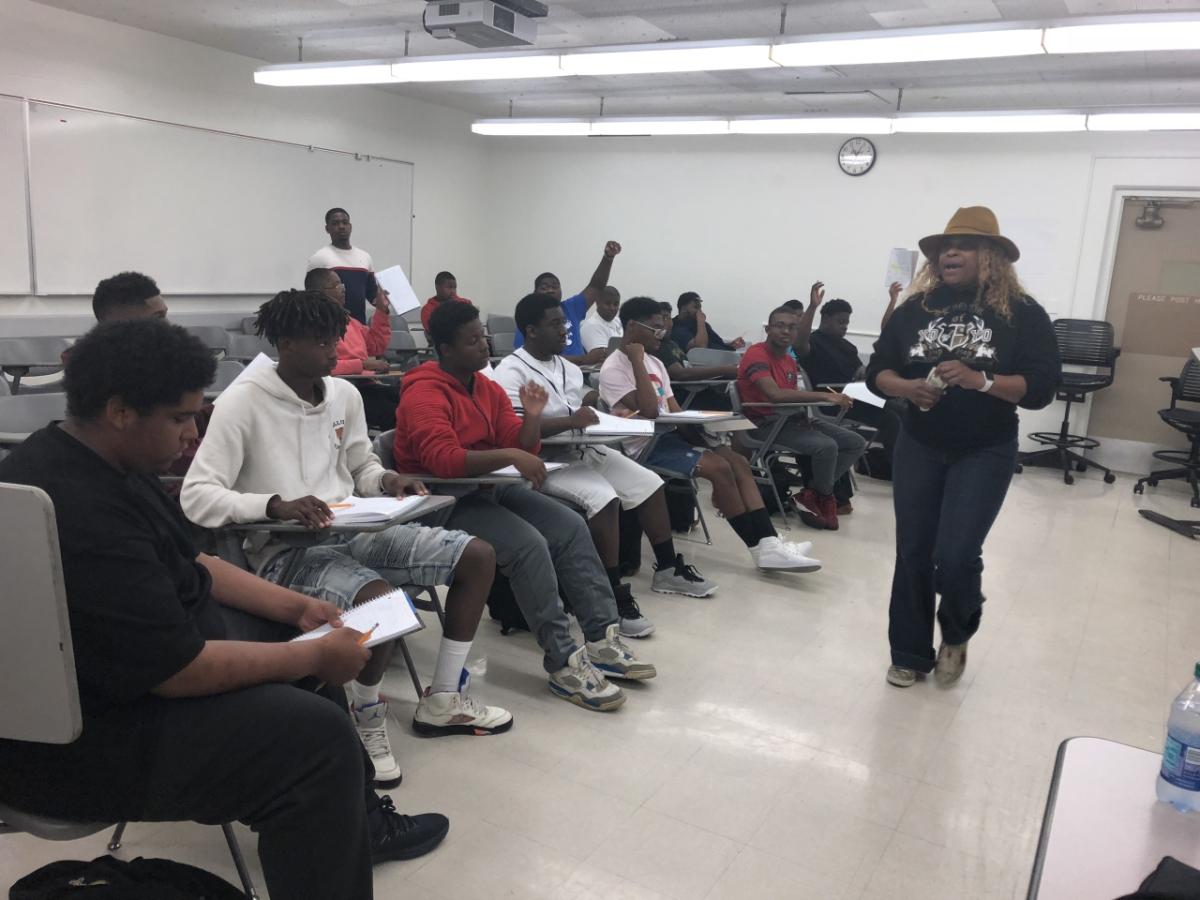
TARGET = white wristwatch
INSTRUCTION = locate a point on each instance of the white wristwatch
(988, 381)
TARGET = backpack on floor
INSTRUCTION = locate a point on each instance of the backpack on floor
(502, 606)
(875, 463)
(109, 878)
(681, 505)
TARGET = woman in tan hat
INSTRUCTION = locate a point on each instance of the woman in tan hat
(964, 350)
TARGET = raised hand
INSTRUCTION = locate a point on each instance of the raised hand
(816, 294)
(894, 290)
(382, 301)
(533, 398)
(611, 249)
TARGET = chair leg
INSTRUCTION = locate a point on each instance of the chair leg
(114, 843)
(432, 593)
(239, 862)
(700, 511)
(412, 669)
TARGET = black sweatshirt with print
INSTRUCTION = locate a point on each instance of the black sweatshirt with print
(948, 324)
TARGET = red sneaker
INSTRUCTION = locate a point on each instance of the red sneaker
(829, 511)
(808, 505)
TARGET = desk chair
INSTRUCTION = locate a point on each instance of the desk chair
(500, 324)
(24, 414)
(244, 347)
(766, 451)
(20, 356)
(704, 356)
(406, 348)
(227, 371)
(214, 337)
(248, 324)
(1081, 342)
(1185, 387)
(614, 344)
(503, 342)
(36, 643)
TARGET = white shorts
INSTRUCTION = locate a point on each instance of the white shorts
(596, 476)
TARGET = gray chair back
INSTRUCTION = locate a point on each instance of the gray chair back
(23, 414)
(412, 318)
(703, 356)
(383, 448)
(502, 342)
(1188, 388)
(227, 371)
(498, 324)
(34, 351)
(248, 324)
(614, 342)
(245, 347)
(35, 642)
(214, 337)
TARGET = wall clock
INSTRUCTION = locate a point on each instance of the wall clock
(856, 156)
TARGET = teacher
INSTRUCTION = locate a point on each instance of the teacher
(963, 351)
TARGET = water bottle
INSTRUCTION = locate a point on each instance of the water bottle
(1179, 779)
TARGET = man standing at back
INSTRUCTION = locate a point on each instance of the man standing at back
(352, 264)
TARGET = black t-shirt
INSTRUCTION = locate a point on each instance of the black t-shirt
(669, 353)
(831, 360)
(140, 608)
(946, 325)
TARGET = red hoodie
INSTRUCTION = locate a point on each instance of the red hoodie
(438, 421)
(360, 342)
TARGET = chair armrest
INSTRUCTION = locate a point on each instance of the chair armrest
(1172, 380)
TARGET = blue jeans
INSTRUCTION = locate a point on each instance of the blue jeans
(945, 503)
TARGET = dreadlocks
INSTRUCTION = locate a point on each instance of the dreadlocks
(303, 314)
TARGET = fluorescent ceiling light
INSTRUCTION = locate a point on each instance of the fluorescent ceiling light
(1144, 122)
(990, 124)
(907, 48)
(786, 125)
(533, 127)
(1116, 37)
(659, 126)
(476, 67)
(658, 59)
(371, 71)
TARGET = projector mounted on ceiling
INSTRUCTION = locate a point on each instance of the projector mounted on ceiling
(484, 23)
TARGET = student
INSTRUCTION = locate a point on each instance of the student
(635, 381)
(671, 355)
(602, 323)
(361, 349)
(691, 328)
(453, 423)
(128, 295)
(576, 307)
(284, 444)
(829, 358)
(768, 374)
(596, 477)
(194, 704)
(352, 264)
(445, 287)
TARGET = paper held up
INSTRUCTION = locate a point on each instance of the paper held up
(400, 292)
(858, 390)
(901, 267)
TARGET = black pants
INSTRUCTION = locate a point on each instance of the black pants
(379, 403)
(945, 505)
(883, 418)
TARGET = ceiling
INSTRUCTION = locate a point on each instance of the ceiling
(271, 30)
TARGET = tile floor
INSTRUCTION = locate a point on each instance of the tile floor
(770, 759)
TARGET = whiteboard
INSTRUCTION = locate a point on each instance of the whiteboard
(202, 212)
(14, 249)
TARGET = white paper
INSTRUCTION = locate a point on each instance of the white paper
(365, 510)
(511, 471)
(610, 424)
(257, 363)
(400, 292)
(858, 390)
(391, 616)
(901, 267)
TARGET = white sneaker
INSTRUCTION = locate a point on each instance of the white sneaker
(456, 712)
(581, 683)
(681, 579)
(798, 548)
(772, 554)
(371, 723)
(613, 658)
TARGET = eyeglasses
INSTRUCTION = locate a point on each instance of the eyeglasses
(659, 333)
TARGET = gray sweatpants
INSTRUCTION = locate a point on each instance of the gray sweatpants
(832, 449)
(540, 543)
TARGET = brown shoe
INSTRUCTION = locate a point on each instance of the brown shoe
(951, 661)
(829, 511)
(808, 505)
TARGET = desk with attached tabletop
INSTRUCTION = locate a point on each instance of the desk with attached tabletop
(579, 439)
(300, 537)
(1104, 830)
(692, 389)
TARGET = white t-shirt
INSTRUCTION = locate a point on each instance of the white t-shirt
(595, 332)
(617, 380)
(563, 381)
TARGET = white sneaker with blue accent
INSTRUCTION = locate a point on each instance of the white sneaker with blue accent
(582, 684)
(614, 659)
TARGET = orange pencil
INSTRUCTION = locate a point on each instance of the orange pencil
(366, 635)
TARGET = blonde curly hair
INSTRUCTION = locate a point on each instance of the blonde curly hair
(999, 288)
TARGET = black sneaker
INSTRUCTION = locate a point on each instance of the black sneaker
(633, 623)
(681, 579)
(394, 836)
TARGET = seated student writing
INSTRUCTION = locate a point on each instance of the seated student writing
(576, 307)
(453, 423)
(768, 374)
(361, 349)
(597, 476)
(633, 380)
(286, 442)
(195, 705)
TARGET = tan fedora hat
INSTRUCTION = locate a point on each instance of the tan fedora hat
(974, 221)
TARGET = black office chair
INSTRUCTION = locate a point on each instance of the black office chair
(1185, 387)
(1081, 342)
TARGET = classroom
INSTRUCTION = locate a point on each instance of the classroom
(350, 348)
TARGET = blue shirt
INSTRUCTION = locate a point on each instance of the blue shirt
(574, 308)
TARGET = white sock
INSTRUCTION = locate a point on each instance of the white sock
(452, 657)
(364, 694)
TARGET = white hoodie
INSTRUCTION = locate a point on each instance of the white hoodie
(263, 440)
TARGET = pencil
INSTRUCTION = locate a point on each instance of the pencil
(366, 635)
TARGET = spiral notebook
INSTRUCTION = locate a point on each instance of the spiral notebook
(391, 615)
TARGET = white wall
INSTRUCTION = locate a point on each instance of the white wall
(67, 58)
